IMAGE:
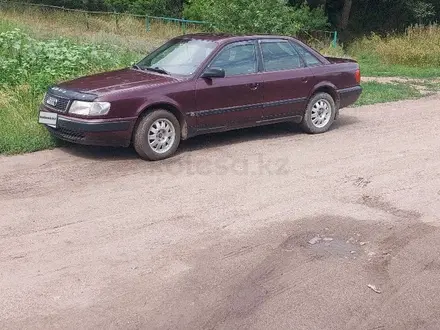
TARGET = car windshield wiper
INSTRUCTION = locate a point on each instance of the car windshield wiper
(137, 67)
(158, 70)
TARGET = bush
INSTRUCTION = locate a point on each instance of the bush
(40, 63)
(258, 16)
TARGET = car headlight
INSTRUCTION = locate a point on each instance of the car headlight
(89, 108)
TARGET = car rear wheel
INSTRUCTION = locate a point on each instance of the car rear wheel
(320, 114)
(157, 136)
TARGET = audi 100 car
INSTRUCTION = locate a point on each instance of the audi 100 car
(202, 83)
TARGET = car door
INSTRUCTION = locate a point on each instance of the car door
(287, 81)
(235, 99)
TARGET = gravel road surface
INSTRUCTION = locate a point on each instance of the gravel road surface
(263, 228)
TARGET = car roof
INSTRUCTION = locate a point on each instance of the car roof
(225, 37)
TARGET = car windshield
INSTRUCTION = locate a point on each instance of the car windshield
(178, 57)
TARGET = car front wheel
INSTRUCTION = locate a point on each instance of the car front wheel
(320, 114)
(157, 135)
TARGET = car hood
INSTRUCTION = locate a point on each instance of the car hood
(107, 82)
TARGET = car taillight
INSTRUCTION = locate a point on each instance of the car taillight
(358, 76)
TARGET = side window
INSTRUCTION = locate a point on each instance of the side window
(308, 57)
(236, 59)
(279, 55)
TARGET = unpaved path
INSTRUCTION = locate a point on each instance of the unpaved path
(424, 86)
(217, 237)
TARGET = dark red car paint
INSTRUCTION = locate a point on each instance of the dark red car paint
(203, 105)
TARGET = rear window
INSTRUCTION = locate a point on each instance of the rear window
(308, 57)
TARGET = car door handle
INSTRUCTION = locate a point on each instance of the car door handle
(254, 86)
(304, 79)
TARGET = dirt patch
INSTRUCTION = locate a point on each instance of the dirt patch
(295, 278)
(376, 202)
(424, 86)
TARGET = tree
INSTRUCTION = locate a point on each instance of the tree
(75, 4)
(257, 16)
(422, 11)
(170, 8)
(345, 14)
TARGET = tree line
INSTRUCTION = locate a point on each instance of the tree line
(351, 18)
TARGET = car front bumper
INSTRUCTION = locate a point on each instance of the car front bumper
(102, 132)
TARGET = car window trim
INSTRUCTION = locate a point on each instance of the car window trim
(231, 44)
(260, 41)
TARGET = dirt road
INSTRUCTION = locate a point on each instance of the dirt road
(258, 229)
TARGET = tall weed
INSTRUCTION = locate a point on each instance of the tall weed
(418, 47)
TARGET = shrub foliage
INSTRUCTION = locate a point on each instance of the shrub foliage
(258, 16)
(24, 59)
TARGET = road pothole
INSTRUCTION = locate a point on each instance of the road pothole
(336, 247)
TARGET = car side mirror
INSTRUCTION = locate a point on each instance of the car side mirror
(214, 73)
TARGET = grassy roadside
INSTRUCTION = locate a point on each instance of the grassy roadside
(20, 131)
(372, 66)
(126, 32)
(413, 54)
(375, 92)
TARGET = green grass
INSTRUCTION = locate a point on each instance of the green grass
(20, 131)
(372, 66)
(374, 92)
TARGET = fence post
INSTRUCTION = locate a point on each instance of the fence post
(87, 20)
(147, 23)
(335, 39)
(183, 26)
(117, 21)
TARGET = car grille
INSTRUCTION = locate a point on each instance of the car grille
(66, 134)
(59, 104)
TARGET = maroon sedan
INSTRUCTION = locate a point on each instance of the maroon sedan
(202, 83)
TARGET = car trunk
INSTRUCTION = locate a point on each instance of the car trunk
(335, 60)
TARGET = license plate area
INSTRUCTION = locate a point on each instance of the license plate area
(48, 118)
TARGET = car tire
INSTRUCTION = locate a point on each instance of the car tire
(320, 114)
(157, 136)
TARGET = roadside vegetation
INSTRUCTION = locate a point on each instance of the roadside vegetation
(28, 66)
(413, 54)
(257, 16)
(376, 92)
(123, 31)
